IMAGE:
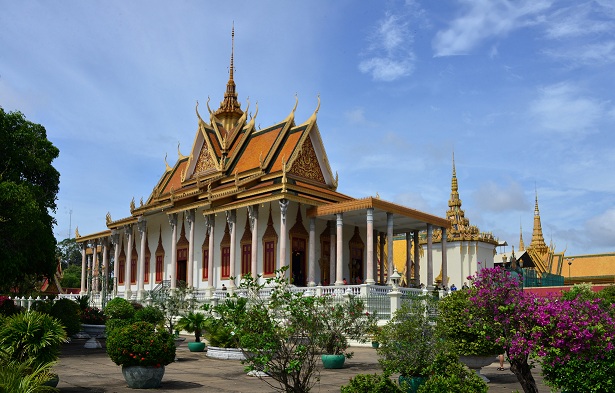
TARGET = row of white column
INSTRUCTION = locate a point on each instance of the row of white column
(336, 244)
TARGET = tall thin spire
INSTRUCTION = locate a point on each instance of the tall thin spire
(521, 245)
(538, 240)
(455, 214)
(230, 109)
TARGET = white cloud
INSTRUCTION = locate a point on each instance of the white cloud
(564, 109)
(484, 19)
(598, 53)
(601, 229)
(390, 55)
(577, 21)
(500, 198)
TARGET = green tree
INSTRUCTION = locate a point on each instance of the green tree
(69, 252)
(28, 190)
(71, 277)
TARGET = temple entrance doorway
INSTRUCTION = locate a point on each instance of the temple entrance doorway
(182, 265)
(297, 266)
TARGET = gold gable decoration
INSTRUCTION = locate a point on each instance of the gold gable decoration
(306, 164)
(205, 162)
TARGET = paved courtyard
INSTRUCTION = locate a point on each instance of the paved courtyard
(91, 370)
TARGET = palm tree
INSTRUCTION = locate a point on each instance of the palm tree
(193, 322)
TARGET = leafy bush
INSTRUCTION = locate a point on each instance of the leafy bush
(342, 321)
(32, 335)
(447, 374)
(221, 329)
(67, 312)
(140, 344)
(150, 314)
(371, 383)
(193, 322)
(466, 334)
(23, 377)
(119, 308)
(407, 343)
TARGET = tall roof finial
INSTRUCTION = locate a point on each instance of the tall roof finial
(230, 109)
(232, 52)
(538, 240)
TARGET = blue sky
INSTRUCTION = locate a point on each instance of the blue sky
(521, 91)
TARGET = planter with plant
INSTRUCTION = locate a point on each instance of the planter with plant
(447, 374)
(339, 323)
(142, 351)
(193, 322)
(372, 383)
(408, 343)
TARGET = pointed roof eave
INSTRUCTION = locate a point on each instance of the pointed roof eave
(288, 124)
(201, 135)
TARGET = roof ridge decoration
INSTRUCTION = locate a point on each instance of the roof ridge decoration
(230, 108)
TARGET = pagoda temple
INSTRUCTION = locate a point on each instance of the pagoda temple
(248, 200)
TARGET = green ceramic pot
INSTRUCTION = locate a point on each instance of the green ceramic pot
(411, 384)
(196, 346)
(333, 361)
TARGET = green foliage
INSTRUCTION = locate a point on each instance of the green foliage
(71, 277)
(140, 344)
(342, 321)
(223, 323)
(371, 383)
(580, 375)
(277, 334)
(465, 333)
(150, 314)
(173, 303)
(92, 316)
(69, 253)
(119, 308)
(32, 335)
(447, 374)
(193, 322)
(24, 377)
(28, 188)
(582, 291)
(67, 312)
(607, 295)
(407, 343)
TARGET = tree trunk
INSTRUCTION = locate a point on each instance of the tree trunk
(523, 372)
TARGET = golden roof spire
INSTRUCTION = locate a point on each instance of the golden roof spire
(230, 109)
(521, 245)
(455, 214)
(538, 240)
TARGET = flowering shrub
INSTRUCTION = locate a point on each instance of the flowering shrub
(140, 344)
(574, 339)
(92, 316)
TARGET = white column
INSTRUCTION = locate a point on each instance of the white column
(142, 227)
(283, 232)
(391, 268)
(339, 254)
(190, 217)
(115, 239)
(375, 238)
(408, 258)
(94, 266)
(127, 283)
(253, 213)
(417, 256)
(105, 262)
(312, 255)
(444, 259)
(231, 218)
(369, 279)
(84, 270)
(210, 222)
(429, 257)
(381, 258)
(332, 253)
(173, 272)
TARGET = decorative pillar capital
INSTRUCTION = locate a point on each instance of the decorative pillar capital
(115, 237)
(210, 221)
(253, 214)
(231, 217)
(173, 220)
(190, 216)
(283, 207)
(142, 225)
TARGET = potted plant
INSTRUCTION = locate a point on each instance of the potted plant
(142, 351)
(374, 335)
(341, 322)
(193, 322)
(373, 383)
(473, 339)
(408, 344)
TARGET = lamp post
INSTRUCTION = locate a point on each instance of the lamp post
(569, 264)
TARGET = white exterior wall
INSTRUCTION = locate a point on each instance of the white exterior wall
(462, 260)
